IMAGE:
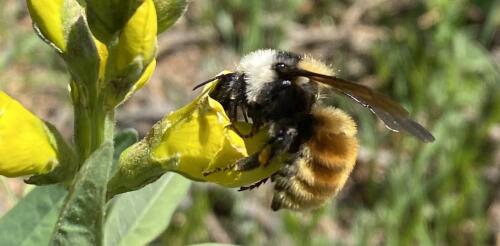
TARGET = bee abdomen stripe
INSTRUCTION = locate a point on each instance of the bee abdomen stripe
(316, 175)
(289, 201)
(301, 190)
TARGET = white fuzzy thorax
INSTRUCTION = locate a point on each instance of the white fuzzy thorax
(257, 66)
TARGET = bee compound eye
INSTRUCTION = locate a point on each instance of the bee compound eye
(280, 66)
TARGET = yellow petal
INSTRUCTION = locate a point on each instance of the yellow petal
(25, 146)
(137, 41)
(146, 75)
(47, 14)
(102, 50)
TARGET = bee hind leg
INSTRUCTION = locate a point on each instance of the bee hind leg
(243, 164)
(260, 158)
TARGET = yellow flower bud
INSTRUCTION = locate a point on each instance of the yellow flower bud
(53, 20)
(130, 61)
(25, 144)
(190, 141)
(47, 15)
(103, 53)
(137, 42)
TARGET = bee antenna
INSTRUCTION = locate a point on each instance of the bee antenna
(210, 80)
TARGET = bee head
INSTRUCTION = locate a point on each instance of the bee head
(264, 68)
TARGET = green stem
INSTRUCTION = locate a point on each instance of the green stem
(94, 124)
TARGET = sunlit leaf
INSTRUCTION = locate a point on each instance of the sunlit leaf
(81, 220)
(138, 217)
(32, 220)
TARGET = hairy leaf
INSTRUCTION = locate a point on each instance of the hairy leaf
(32, 220)
(140, 216)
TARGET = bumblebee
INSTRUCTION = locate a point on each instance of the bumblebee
(281, 91)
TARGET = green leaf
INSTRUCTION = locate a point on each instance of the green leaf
(32, 220)
(138, 217)
(81, 220)
(82, 56)
(168, 11)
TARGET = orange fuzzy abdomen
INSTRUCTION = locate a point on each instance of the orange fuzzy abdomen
(323, 165)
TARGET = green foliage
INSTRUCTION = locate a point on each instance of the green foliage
(52, 215)
(32, 221)
(138, 217)
(81, 219)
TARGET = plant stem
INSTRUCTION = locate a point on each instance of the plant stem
(94, 124)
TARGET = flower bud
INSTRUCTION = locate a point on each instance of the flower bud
(52, 20)
(168, 11)
(137, 41)
(27, 145)
(132, 57)
(190, 141)
(107, 17)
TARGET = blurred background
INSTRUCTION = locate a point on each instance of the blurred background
(439, 58)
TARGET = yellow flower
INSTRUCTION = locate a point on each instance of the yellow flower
(25, 141)
(53, 20)
(137, 43)
(198, 138)
(131, 60)
(190, 141)
(47, 15)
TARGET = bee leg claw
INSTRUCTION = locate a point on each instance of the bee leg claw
(243, 164)
(254, 185)
(217, 170)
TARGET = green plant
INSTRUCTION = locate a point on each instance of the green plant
(109, 49)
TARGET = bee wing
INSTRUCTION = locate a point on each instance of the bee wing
(394, 116)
